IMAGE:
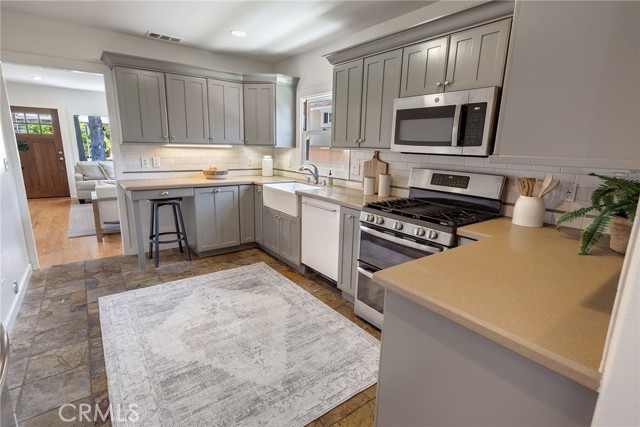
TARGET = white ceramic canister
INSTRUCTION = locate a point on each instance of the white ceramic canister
(369, 185)
(267, 166)
(384, 185)
(528, 212)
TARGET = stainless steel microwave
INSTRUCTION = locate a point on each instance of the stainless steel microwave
(453, 123)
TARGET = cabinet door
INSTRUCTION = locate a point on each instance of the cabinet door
(348, 250)
(226, 111)
(218, 217)
(380, 87)
(258, 213)
(347, 99)
(142, 105)
(247, 213)
(259, 114)
(477, 56)
(290, 237)
(270, 229)
(423, 67)
(188, 111)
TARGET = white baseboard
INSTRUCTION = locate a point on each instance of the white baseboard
(17, 302)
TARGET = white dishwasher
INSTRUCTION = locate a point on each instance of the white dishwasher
(320, 236)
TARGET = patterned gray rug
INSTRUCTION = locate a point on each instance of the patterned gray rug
(82, 223)
(241, 347)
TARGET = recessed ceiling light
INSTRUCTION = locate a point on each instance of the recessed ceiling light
(238, 33)
(36, 78)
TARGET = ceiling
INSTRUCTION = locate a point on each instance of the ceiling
(276, 29)
(52, 77)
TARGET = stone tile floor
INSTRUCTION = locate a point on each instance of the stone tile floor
(57, 355)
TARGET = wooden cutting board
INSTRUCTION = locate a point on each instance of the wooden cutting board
(374, 167)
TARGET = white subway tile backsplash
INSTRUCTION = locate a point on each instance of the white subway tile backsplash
(546, 168)
(520, 167)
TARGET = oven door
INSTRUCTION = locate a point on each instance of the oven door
(428, 124)
(369, 301)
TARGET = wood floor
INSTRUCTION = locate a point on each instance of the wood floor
(50, 221)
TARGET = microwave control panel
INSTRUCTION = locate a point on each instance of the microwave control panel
(474, 124)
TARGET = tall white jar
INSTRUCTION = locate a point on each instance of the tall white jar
(267, 166)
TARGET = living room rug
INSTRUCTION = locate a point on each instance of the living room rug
(82, 223)
(240, 347)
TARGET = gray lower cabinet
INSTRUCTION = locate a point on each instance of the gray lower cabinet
(423, 67)
(247, 214)
(257, 204)
(226, 112)
(477, 56)
(282, 234)
(348, 250)
(142, 105)
(217, 218)
(347, 104)
(259, 114)
(188, 110)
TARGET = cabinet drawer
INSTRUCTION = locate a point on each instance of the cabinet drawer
(164, 193)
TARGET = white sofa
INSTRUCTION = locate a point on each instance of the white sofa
(105, 206)
(88, 174)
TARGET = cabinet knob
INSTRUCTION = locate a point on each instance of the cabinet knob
(438, 84)
(259, 190)
(216, 190)
(165, 136)
(164, 193)
(173, 137)
(355, 141)
(447, 82)
(210, 138)
(61, 158)
(349, 216)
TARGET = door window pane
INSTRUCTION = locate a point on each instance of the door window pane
(32, 118)
(18, 117)
(47, 129)
(19, 128)
(45, 119)
(34, 129)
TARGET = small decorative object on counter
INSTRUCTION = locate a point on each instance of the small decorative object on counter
(529, 209)
(330, 180)
(215, 172)
(267, 166)
(615, 202)
(384, 185)
(369, 185)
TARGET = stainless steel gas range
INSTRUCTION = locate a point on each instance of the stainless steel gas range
(401, 230)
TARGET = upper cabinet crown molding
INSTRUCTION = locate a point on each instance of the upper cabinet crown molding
(439, 26)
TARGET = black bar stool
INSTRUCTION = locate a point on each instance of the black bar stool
(154, 234)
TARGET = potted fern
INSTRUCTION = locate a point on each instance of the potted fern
(615, 202)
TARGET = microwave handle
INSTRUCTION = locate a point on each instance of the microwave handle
(456, 125)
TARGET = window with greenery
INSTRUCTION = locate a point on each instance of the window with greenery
(93, 137)
(32, 124)
(316, 125)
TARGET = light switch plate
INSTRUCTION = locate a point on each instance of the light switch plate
(250, 161)
(156, 162)
(6, 164)
(144, 161)
(355, 170)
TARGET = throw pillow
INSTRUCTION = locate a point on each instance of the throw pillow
(91, 171)
(107, 169)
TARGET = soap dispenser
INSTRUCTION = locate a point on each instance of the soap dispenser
(330, 180)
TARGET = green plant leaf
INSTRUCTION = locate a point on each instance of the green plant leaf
(573, 215)
(593, 233)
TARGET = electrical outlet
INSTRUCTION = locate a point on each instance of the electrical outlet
(156, 162)
(569, 190)
(355, 170)
(290, 163)
(144, 161)
(250, 161)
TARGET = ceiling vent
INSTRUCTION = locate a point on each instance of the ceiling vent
(163, 37)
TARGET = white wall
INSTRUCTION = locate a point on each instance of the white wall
(14, 259)
(68, 102)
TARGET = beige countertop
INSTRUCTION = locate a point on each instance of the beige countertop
(350, 198)
(524, 288)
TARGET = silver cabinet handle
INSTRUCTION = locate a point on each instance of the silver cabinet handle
(164, 193)
(438, 83)
(350, 216)
(447, 82)
(319, 207)
(259, 189)
(355, 141)
(277, 216)
(61, 158)
(216, 190)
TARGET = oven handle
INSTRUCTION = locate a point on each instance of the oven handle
(365, 273)
(404, 242)
(456, 125)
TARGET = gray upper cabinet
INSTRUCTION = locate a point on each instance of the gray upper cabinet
(347, 104)
(477, 56)
(423, 67)
(348, 250)
(226, 111)
(142, 105)
(381, 85)
(247, 213)
(259, 114)
(218, 215)
(257, 193)
(188, 110)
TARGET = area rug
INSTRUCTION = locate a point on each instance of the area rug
(240, 347)
(82, 223)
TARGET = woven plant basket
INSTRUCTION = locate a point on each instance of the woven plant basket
(620, 233)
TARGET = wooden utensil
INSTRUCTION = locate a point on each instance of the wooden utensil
(374, 167)
(522, 188)
(550, 188)
(544, 185)
(532, 186)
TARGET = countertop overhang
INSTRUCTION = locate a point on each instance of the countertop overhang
(526, 289)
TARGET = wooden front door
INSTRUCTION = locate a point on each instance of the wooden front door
(41, 154)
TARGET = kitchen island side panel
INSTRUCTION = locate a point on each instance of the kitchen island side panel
(434, 372)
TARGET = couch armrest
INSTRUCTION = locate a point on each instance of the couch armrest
(79, 177)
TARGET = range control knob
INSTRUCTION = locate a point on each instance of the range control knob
(379, 220)
(398, 225)
(433, 234)
(420, 232)
(370, 218)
